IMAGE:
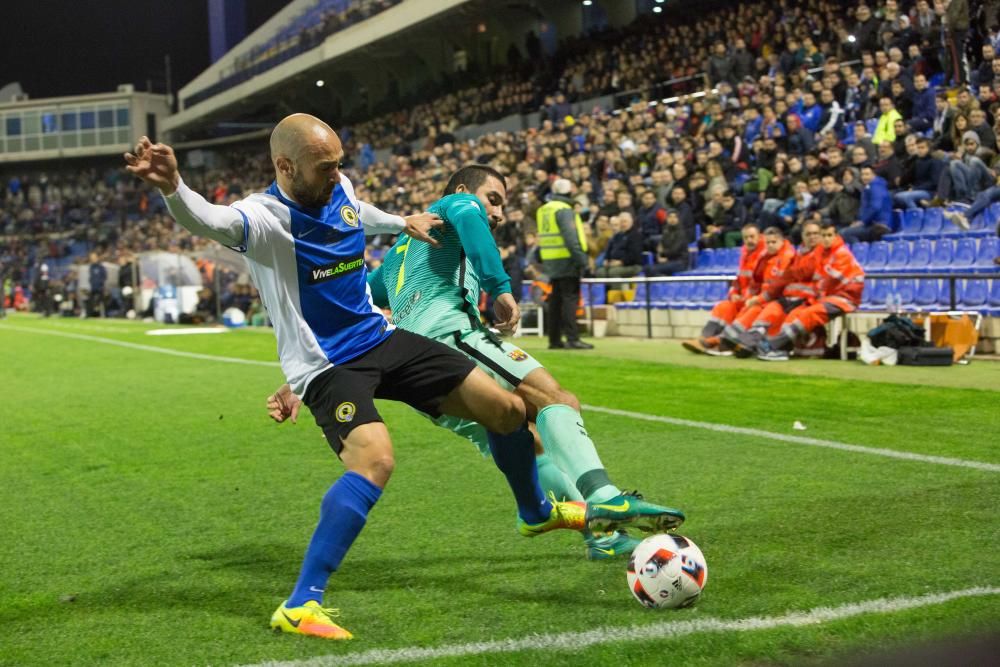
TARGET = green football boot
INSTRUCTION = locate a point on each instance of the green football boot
(610, 546)
(629, 509)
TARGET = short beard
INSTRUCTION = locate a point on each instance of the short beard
(305, 196)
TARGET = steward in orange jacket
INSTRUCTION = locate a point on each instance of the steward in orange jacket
(770, 275)
(839, 281)
(743, 287)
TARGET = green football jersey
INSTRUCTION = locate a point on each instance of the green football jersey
(435, 291)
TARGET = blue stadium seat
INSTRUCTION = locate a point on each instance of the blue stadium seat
(950, 228)
(975, 295)
(989, 249)
(964, 259)
(899, 256)
(860, 252)
(593, 295)
(911, 222)
(932, 222)
(904, 292)
(660, 292)
(920, 255)
(730, 260)
(682, 294)
(870, 125)
(994, 299)
(704, 261)
(876, 291)
(926, 295)
(941, 256)
(944, 294)
(878, 257)
(697, 297)
(717, 291)
(640, 292)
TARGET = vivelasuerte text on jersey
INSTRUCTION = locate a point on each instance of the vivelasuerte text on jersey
(308, 265)
(435, 291)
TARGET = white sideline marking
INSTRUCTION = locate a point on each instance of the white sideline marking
(722, 428)
(800, 440)
(193, 331)
(143, 348)
(654, 631)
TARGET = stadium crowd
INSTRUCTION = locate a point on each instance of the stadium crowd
(811, 111)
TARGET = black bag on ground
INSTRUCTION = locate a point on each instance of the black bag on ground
(897, 332)
(925, 356)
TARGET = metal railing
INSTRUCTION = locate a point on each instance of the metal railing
(590, 282)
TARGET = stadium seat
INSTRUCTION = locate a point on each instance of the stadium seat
(876, 291)
(899, 256)
(964, 259)
(878, 257)
(975, 295)
(944, 294)
(933, 219)
(594, 295)
(994, 299)
(904, 292)
(660, 293)
(870, 125)
(941, 256)
(682, 294)
(704, 261)
(926, 295)
(697, 297)
(989, 249)
(911, 222)
(920, 256)
(860, 252)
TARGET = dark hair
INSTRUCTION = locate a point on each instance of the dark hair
(827, 224)
(774, 231)
(749, 225)
(472, 176)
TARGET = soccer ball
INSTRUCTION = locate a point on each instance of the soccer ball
(667, 572)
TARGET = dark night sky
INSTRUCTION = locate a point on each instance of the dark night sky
(71, 47)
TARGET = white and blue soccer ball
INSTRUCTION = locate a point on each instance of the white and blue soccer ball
(233, 318)
(667, 572)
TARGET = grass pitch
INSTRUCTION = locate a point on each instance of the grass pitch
(151, 514)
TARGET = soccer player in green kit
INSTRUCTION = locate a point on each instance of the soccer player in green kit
(434, 292)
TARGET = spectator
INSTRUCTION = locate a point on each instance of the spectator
(926, 174)
(623, 258)
(840, 207)
(923, 112)
(652, 217)
(875, 214)
(672, 252)
(98, 280)
(885, 130)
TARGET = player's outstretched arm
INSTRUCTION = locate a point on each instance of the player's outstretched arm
(156, 164)
(283, 404)
(419, 226)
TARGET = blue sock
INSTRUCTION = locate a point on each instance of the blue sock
(514, 454)
(342, 515)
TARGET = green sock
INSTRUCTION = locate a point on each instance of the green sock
(551, 478)
(565, 439)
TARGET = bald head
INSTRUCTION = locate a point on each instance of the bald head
(306, 154)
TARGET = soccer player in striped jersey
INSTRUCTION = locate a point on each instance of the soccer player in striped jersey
(303, 240)
(434, 291)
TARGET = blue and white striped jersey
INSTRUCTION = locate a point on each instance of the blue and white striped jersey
(308, 265)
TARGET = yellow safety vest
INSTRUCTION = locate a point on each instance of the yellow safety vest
(551, 244)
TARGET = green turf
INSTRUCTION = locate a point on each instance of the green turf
(151, 514)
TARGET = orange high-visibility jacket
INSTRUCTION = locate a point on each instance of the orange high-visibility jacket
(744, 276)
(769, 275)
(797, 281)
(839, 277)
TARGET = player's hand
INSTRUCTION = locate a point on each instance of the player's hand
(507, 313)
(419, 227)
(156, 164)
(283, 404)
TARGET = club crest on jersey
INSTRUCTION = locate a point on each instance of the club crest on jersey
(349, 215)
(345, 412)
(517, 355)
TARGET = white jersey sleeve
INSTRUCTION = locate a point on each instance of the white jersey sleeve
(374, 220)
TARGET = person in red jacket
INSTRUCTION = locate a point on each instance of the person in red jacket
(741, 289)
(839, 282)
(769, 274)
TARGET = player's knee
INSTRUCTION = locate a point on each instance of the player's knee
(510, 415)
(381, 466)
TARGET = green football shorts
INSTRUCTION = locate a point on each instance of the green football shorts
(505, 363)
